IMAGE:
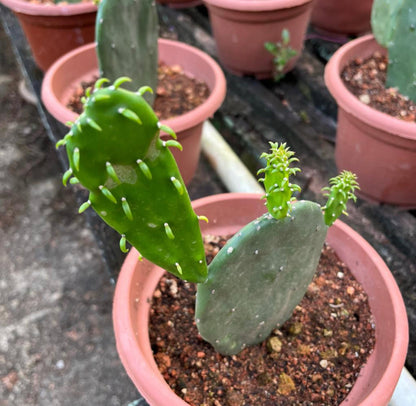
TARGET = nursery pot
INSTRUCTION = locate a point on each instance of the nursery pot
(54, 29)
(241, 27)
(228, 213)
(81, 64)
(379, 148)
(342, 16)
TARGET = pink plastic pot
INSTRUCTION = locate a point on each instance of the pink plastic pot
(227, 214)
(342, 16)
(241, 27)
(380, 149)
(53, 30)
(69, 71)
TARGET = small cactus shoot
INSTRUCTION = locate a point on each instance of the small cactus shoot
(262, 273)
(115, 151)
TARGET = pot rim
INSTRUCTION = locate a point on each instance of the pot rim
(25, 7)
(348, 102)
(258, 5)
(132, 355)
(179, 123)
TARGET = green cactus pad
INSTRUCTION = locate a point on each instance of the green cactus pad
(401, 71)
(115, 151)
(259, 277)
(384, 19)
(126, 33)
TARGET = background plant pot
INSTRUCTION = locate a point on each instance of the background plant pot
(342, 16)
(81, 64)
(227, 214)
(380, 149)
(53, 30)
(241, 28)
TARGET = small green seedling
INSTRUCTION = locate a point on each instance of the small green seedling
(282, 53)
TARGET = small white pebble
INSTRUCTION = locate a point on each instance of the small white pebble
(340, 275)
(323, 363)
(365, 98)
(60, 364)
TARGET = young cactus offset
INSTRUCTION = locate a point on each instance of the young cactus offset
(263, 271)
(115, 151)
(126, 33)
(394, 27)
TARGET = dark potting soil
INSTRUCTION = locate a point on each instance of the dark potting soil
(313, 359)
(176, 93)
(366, 79)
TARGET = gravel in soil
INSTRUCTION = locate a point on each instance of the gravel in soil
(366, 79)
(312, 359)
(176, 93)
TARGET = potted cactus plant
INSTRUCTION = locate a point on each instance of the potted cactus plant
(53, 28)
(265, 269)
(134, 49)
(379, 148)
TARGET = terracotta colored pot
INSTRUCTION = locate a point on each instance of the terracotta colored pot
(380, 149)
(227, 214)
(81, 65)
(53, 30)
(241, 28)
(342, 16)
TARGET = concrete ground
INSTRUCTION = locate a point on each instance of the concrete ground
(56, 339)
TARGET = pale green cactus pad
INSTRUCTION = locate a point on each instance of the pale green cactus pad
(259, 277)
(394, 27)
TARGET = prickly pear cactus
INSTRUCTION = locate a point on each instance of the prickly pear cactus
(126, 33)
(262, 273)
(259, 277)
(115, 151)
(384, 19)
(401, 71)
(394, 27)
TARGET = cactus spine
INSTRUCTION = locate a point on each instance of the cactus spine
(262, 273)
(115, 151)
(394, 27)
(126, 33)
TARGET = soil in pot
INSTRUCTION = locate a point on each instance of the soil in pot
(314, 358)
(366, 79)
(176, 93)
